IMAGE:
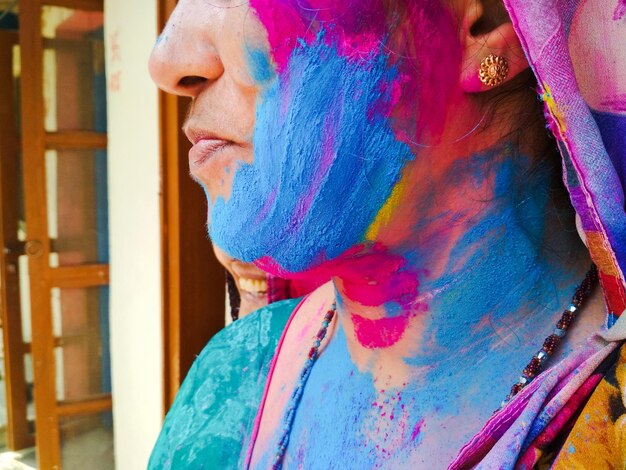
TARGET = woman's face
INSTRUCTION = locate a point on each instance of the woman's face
(306, 115)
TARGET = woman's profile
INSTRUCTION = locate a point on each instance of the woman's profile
(453, 172)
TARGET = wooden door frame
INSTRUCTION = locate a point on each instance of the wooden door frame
(18, 432)
(192, 278)
(37, 245)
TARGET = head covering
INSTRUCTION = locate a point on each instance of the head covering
(576, 50)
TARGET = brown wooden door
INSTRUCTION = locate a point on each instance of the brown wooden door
(63, 143)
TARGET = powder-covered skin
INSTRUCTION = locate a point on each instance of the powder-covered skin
(424, 415)
(336, 124)
(345, 157)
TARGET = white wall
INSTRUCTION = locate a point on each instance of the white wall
(136, 336)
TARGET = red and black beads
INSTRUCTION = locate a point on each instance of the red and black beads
(534, 367)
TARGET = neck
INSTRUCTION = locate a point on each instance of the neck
(482, 256)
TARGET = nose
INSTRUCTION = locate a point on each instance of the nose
(185, 59)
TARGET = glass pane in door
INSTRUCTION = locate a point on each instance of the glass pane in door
(81, 330)
(73, 61)
(77, 206)
(87, 442)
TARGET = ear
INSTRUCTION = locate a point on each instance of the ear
(501, 41)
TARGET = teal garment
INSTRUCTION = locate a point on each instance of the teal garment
(209, 424)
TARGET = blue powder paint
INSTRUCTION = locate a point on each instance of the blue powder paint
(335, 415)
(330, 425)
(160, 38)
(510, 233)
(325, 160)
(261, 67)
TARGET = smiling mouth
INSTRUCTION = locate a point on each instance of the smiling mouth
(253, 286)
(204, 149)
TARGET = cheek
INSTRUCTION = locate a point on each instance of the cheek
(325, 161)
(429, 60)
(247, 53)
(326, 157)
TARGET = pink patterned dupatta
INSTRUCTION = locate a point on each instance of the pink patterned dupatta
(576, 49)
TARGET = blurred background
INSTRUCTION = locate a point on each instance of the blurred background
(109, 287)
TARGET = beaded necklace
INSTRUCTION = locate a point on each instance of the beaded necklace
(551, 342)
(531, 371)
(294, 400)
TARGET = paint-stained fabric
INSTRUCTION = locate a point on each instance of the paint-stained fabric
(598, 437)
(215, 407)
(576, 50)
(571, 416)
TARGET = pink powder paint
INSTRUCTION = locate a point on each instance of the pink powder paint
(417, 429)
(620, 10)
(398, 286)
(371, 275)
(362, 29)
(425, 52)
(379, 333)
(290, 24)
(284, 27)
(356, 268)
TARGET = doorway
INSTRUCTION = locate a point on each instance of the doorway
(54, 234)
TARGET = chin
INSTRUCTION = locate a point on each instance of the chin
(272, 242)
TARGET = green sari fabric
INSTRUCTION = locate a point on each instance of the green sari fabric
(212, 416)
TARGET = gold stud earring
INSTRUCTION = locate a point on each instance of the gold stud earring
(493, 70)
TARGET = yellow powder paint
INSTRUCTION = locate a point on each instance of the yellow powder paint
(386, 211)
(554, 109)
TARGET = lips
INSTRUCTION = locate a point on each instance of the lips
(215, 155)
(205, 148)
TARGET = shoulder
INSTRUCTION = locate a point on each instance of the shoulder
(260, 329)
(217, 402)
